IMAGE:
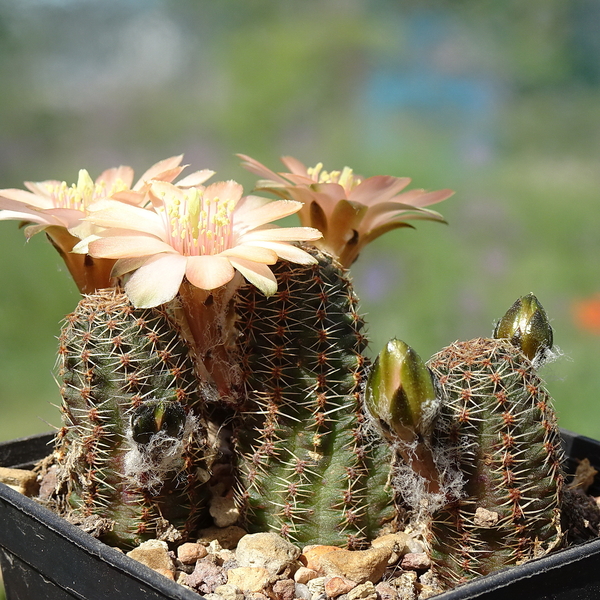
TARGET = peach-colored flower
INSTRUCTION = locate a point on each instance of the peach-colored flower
(57, 203)
(349, 210)
(59, 209)
(202, 234)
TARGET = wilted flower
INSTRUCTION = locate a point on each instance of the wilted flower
(59, 209)
(202, 234)
(349, 210)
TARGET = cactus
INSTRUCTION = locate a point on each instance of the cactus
(497, 420)
(309, 468)
(132, 447)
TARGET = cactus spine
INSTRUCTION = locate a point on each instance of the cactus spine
(308, 467)
(132, 446)
(497, 420)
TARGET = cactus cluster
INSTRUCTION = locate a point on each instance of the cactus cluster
(228, 349)
(480, 466)
(467, 442)
(133, 445)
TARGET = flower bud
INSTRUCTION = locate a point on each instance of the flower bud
(399, 391)
(155, 416)
(527, 326)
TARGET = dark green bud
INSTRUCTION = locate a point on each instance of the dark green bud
(155, 416)
(400, 393)
(527, 326)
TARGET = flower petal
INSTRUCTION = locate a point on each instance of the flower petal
(195, 179)
(168, 164)
(30, 216)
(256, 253)
(13, 199)
(259, 169)
(157, 281)
(122, 175)
(112, 213)
(294, 165)
(257, 274)
(288, 252)
(208, 272)
(281, 234)
(231, 190)
(126, 265)
(127, 244)
(378, 189)
(273, 211)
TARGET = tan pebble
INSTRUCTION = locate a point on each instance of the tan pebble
(226, 555)
(167, 573)
(267, 550)
(224, 511)
(249, 579)
(153, 554)
(386, 591)
(336, 586)
(430, 585)
(229, 592)
(190, 552)
(311, 556)
(406, 584)
(486, 518)
(415, 561)
(284, 589)
(316, 586)
(23, 481)
(228, 537)
(364, 591)
(304, 575)
(357, 565)
(398, 542)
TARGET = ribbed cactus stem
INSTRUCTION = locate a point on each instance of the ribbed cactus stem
(132, 448)
(309, 469)
(497, 423)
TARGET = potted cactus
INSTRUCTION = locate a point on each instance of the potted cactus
(214, 350)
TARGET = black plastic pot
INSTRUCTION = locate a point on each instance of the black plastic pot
(45, 558)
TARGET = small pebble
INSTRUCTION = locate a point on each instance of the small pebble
(190, 552)
(364, 591)
(285, 589)
(228, 537)
(249, 579)
(415, 561)
(304, 575)
(386, 591)
(206, 577)
(153, 554)
(336, 586)
(229, 592)
(302, 592)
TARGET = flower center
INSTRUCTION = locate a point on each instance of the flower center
(199, 225)
(345, 177)
(80, 195)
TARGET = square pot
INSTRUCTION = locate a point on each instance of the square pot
(45, 557)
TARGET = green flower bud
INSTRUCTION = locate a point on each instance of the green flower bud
(527, 326)
(400, 393)
(155, 416)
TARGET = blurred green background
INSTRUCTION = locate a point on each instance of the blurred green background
(499, 101)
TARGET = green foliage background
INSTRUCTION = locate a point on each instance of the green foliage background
(497, 100)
